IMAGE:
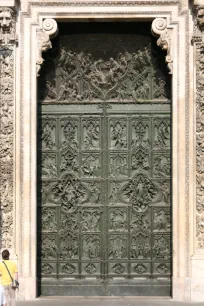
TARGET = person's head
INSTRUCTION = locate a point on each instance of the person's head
(5, 255)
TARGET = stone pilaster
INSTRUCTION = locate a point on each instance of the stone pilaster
(7, 98)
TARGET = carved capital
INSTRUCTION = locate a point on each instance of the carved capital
(49, 30)
(7, 25)
(159, 29)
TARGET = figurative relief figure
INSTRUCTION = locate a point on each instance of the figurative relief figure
(140, 192)
(140, 133)
(118, 165)
(94, 192)
(91, 134)
(140, 246)
(140, 268)
(140, 159)
(48, 247)
(162, 220)
(69, 133)
(113, 193)
(91, 247)
(49, 223)
(69, 192)
(161, 248)
(49, 167)
(48, 134)
(118, 133)
(69, 160)
(165, 190)
(91, 165)
(69, 246)
(90, 220)
(162, 133)
(161, 167)
(118, 219)
(68, 236)
(118, 247)
(140, 223)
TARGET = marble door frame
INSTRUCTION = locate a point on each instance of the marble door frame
(173, 27)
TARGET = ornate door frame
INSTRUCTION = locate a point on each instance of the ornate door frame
(172, 25)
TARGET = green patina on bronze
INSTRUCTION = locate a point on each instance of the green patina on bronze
(104, 164)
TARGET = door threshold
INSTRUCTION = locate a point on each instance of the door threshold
(166, 298)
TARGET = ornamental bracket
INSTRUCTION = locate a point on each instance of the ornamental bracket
(49, 30)
(159, 29)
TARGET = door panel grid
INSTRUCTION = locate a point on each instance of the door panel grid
(104, 175)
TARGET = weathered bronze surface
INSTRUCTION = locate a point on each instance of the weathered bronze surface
(104, 175)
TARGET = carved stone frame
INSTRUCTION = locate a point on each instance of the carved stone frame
(183, 128)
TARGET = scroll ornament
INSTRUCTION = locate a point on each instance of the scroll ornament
(49, 30)
(159, 29)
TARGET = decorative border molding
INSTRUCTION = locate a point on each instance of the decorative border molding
(105, 3)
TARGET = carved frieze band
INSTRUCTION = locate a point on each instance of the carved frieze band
(199, 47)
(49, 30)
(7, 49)
(159, 29)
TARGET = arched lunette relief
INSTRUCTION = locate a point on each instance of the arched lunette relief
(159, 29)
(49, 30)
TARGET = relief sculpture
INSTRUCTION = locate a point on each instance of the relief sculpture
(123, 77)
(199, 45)
(7, 55)
(104, 194)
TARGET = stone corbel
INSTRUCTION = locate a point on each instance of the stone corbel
(159, 29)
(49, 30)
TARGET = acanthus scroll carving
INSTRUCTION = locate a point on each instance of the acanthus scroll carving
(159, 29)
(49, 30)
(7, 49)
(199, 48)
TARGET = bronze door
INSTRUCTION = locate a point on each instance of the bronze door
(104, 175)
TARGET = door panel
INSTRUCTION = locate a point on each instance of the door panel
(104, 175)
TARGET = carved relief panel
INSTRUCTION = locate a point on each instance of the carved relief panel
(7, 68)
(199, 48)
